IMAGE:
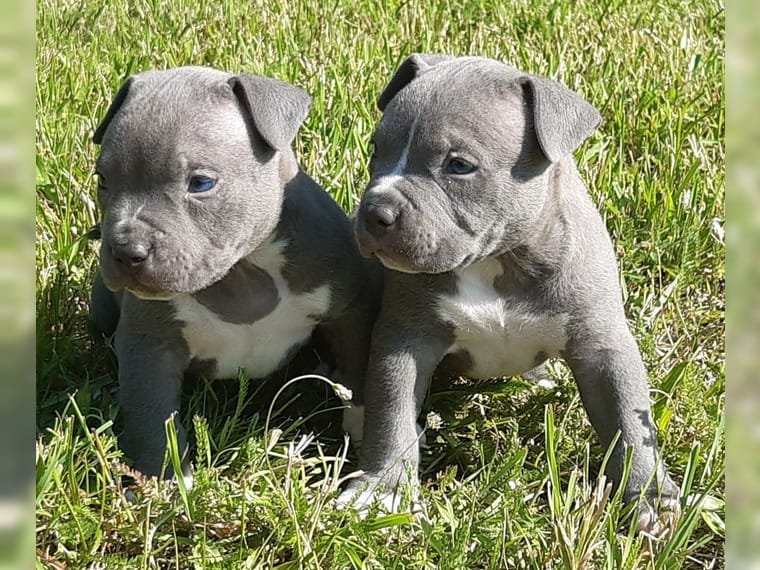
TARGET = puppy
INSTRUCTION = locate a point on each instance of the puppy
(496, 260)
(218, 252)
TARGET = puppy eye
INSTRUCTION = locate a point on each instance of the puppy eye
(199, 184)
(459, 166)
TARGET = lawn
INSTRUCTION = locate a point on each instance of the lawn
(510, 478)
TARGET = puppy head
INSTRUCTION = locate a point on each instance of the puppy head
(461, 160)
(189, 175)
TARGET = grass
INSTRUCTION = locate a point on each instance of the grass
(510, 478)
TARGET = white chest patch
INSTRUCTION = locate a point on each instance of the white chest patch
(259, 347)
(502, 336)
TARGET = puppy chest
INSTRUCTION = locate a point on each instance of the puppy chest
(260, 347)
(501, 336)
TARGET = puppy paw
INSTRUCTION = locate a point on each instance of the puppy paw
(659, 519)
(362, 500)
(364, 493)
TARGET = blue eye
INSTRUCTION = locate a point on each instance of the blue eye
(459, 166)
(199, 184)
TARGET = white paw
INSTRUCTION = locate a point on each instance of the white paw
(363, 494)
(659, 523)
(361, 501)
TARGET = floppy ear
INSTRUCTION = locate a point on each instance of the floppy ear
(562, 118)
(116, 104)
(407, 71)
(274, 108)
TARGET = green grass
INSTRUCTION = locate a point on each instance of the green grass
(510, 479)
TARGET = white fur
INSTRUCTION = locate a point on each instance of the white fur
(362, 499)
(363, 494)
(260, 347)
(388, 180)
(502, 337)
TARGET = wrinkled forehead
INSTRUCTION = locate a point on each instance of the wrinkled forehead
(475, 100)
(175, 116)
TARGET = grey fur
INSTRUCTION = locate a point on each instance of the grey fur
(267, 242)
(276, 109)
(512, 253)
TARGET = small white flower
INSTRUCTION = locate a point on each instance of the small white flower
(512, 485)
(433, 420)
(342, 391)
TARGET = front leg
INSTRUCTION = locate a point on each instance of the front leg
(152, 362)
(613, 385)
(348, 337)
(400, 368)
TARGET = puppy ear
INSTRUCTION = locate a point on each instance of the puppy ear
(562, 118)
(407, 71)
(274, 108)
(116, 104)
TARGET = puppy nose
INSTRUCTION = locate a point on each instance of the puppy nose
(380, 217)
(129, 252)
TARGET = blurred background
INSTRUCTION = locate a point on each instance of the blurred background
(743, 312)
(16, 283)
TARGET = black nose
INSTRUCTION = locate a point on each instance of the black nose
(380, 218)
(129, 252)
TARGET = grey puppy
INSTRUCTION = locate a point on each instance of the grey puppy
(496, 261)
(218, 252)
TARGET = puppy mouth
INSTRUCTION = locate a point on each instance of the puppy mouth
(160, 277)
(138, 289)
(368, 246)
(152, 283)
(393, 264)
(433, 264)
(387, 254)
(409, 263)
(408, 253)
(138, 285)
(151, 294)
